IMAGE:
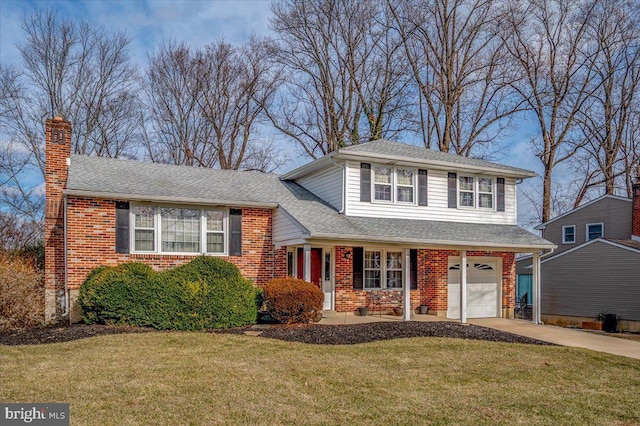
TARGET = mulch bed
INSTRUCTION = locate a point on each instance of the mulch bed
(363, 333)
(310, 333)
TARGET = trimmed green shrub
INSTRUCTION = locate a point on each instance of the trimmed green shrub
(291, 300)
(205, 293)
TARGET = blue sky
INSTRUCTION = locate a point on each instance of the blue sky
(197, 22)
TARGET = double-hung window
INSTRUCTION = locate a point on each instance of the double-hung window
(594, 230)
(466, 191)
(394, 185)
(382, 269)
(383, 183)
(167, 229)
(404, 185)
(568, 234)
(476, 192)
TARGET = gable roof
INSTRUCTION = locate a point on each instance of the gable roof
(141, 181)
(597, 200)
(627, 245)
(390, 151)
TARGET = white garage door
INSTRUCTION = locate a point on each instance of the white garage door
(482, 288)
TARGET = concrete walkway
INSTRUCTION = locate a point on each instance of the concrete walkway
(547, 333)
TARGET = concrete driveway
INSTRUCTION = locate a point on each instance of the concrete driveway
(564, 336)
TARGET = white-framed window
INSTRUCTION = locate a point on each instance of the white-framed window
(595, 230)
(568, 234)
(393, 184)
(382, 183)
(476, 192)
(405, 185)
(485, 193)
(179, 230)
(382, 269)
(144, 228)
(466, 191)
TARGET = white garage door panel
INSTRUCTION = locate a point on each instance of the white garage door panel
(482, 289)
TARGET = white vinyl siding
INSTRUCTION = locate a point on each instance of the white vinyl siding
(325, 184)
(285, 230)
(438, 202)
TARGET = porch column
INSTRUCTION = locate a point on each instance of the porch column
(535, 299)
(307, 262)
(463, 286)
(406, 284)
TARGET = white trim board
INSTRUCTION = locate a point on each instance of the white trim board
(597, 240)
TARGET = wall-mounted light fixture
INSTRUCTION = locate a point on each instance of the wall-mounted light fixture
(347, 255)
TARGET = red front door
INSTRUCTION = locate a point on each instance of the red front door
(316, 265)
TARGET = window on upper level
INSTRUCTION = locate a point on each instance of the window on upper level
(568, 234)
(179, 230)
(394, 185)
(476, 192)
(595, 230)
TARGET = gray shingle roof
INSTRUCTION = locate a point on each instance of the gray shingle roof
(134, 180)
(389, 148)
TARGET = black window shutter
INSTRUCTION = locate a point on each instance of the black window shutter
(500, 195)
(413, 268)
(453, 190)
(365, 182)
(358, 267)
(122, 227)
(235, 232)
(422, 187)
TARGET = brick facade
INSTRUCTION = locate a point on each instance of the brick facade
(58, 149)
(433, 271)
(91, 242)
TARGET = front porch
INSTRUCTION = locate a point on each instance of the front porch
(355, 276)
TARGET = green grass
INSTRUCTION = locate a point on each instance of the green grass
(200, 378)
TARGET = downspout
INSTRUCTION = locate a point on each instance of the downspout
(344, 184)
(66, 277)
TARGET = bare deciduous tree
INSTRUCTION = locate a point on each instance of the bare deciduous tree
(75, 70)
(547, 39)
(345, 78)
(605, 117)
(458, 62)
(204, 105)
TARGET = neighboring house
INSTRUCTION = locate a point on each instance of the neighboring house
(376, 218)
(596, 267)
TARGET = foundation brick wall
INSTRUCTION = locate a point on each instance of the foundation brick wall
(91, 243)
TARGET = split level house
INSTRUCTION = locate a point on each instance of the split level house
(595, 268)
(410, 225)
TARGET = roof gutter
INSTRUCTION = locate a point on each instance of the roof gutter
(523, 174)
(449, 243)
(176, 200)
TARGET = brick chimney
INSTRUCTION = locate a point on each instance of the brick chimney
(635, 214)
(57, 150)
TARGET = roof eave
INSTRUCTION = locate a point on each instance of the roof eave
(519, 173)
(469, 245)
(309, 168)
(167, 199)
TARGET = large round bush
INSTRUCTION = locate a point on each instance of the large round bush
(206, 293)
(291, 300)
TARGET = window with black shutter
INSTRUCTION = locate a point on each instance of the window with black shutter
(500, 195)
(235, 232)
(453, 190)
(422, 188)
(413, 268)
(122, 227)
(358, 267)
(365, 182)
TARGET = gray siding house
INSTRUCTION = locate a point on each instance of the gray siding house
(596, 267)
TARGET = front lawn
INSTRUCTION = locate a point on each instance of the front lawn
(202, 378)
